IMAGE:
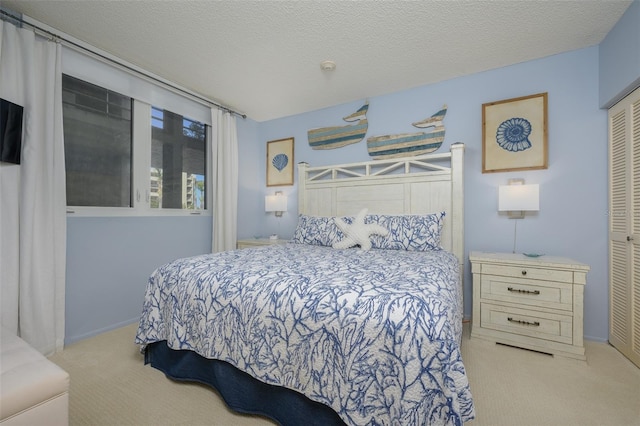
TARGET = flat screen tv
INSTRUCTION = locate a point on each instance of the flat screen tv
(10, 132)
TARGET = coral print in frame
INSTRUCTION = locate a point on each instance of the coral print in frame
(514, 134)
(280, 162)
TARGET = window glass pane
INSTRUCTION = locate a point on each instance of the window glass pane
(178, 153)
(97, 144)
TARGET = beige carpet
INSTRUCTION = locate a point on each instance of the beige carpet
(110, 385)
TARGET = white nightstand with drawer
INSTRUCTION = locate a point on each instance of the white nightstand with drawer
(532, 303)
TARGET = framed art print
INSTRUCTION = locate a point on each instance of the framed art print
(280, 162)
(514, 134)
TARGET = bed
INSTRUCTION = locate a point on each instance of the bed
(306, 333)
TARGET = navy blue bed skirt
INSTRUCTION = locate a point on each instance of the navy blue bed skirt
(240, 391)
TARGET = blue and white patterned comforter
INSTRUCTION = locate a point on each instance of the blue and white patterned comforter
(374, 335)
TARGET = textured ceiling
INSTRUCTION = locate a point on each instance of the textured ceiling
(263, 58)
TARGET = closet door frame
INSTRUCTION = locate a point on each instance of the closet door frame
(624, 226)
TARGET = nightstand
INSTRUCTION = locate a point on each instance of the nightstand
(531, 303)
(255, 242)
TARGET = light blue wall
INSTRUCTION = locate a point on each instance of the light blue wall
(109, 260)
(620, 58)
(572, 221)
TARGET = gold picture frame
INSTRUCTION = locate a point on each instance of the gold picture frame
(280, 162)
(514, 134)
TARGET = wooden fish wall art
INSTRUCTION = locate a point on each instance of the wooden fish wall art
(339, 136)
(410, 144)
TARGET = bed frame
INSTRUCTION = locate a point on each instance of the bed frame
(413, 185)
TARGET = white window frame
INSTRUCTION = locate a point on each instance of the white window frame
(145, 94)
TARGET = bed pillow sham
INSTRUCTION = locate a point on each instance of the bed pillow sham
(409, 232)
(406, 232)
(318, 230)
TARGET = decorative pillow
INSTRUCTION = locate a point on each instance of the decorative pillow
(358, 232)
(317, 230)
(405, 232)
(409, 232)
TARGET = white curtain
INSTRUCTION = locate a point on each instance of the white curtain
(32, 194)
(225, 192)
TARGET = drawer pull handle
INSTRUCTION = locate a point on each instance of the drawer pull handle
(517, 290)
(535, 323)
(524, 272)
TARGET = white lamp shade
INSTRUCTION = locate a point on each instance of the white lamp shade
(275, 203)
(519, 198)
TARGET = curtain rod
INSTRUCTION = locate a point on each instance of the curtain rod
(19, 21)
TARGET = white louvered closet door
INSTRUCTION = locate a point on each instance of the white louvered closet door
(624, 226)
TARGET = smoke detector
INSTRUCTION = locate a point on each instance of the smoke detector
(327, 65)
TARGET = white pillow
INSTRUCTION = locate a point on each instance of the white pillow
(358, 233)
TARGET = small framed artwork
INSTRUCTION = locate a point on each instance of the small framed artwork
(280, 162)
(514, 134)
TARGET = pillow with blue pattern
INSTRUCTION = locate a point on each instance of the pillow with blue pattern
(318, 230)
(406, 232)
(409, 232)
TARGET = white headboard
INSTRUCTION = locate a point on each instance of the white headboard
(414, 185)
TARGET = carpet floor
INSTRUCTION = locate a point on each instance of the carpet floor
(110, 385)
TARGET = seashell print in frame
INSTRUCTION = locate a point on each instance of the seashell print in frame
(280, 162)
(514, 134)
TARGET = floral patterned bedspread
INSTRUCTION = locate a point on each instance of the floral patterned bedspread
(375, 335)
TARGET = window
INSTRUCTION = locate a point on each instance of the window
(97, 144)
(106, 150)
(178, 152)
